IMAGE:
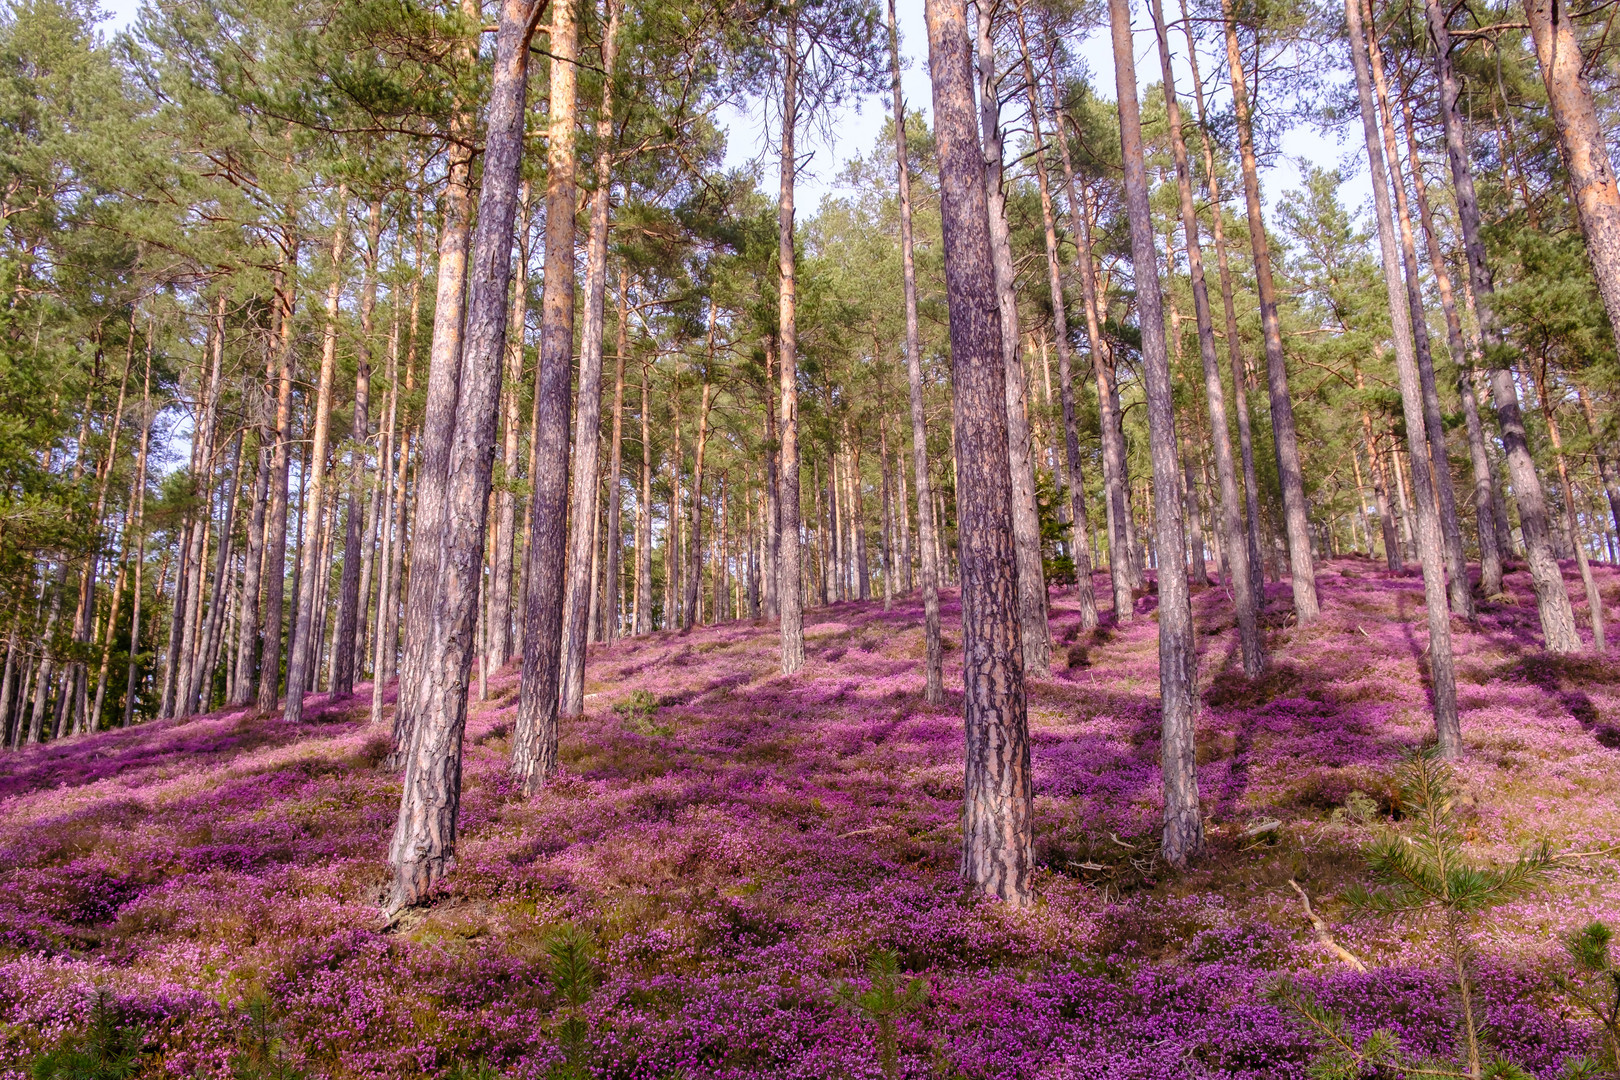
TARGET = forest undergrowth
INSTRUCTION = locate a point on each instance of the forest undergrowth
(745, 875)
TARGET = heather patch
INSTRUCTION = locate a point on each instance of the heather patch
(744, 875)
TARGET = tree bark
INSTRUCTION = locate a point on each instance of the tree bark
(1443, 683)
(1462, 600)
(388, 541)
(692, 595)
(1291, 480)
(1552, 599)
(300, 657)
(534, 743)
(424, 844)
(1586, 147)
(997, 840)
(500, 591)
(644, 614)
(790, 584)
(1080, 533)
(1183, 836)
(1032, 598)
(1594, 601)
(1231, 516)
(614, 575)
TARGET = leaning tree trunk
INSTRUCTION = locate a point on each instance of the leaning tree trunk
(1586, 148)
(1290, 477)
(790, 587)
(1080, 527)
(423, 850)
(997, 837)
(934, 685)
(1462, 600)
(1443, 682)
(1183, 836)
(1552, 599)
(534, 743)
(1032, 618)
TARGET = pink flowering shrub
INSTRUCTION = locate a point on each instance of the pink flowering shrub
(738, 847)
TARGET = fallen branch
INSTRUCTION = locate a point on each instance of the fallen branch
(1322, 934)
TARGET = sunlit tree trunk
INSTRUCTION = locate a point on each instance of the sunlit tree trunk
(643, 605)
(1183, 836)
(997, 838)
(1080, 532)
(1026, 521)
(615, 529)
(1290, 477)
(423, 850)
(389, 540)
(1443, 683)
(1552, 599)
(1594, 601)
(790, 587)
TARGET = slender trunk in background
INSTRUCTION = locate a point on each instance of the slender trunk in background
(347, 646)
(934, 686)
(244, 682)
(1386, 519)
(1080, 530)
(1606, 468)
(534, 743)
(997, 834)
(439, 406)
(1466, 356)
(199, 693)
(692, 591)
(886, 549)
(644, 615)
(1586, 147)
(389, 540)
(1233, 548)
(1290, 478)
(300, 657)
(1234, 346)
(588, 406)
(1443, 683)
(1183, 837)
(1408, 546)
(857, 503)
(790, 574)
(138, 526)
(1032, 598)
(1552, 599)
(615, 528)
(423, 850)
(1462, 598)
(500, 592)
(773, 450)
(1594, 601)
(275, 537)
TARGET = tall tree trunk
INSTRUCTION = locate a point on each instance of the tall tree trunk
(445, 363)
(1462, 600)
(615, 528)
(1594, 601)
(423, 850)
(1080, 533)
(644, 612)
(300, 657)
(347, 645)
(1386, 519)
(1586, 147)
(244, 683)
(1465, 354)
(275, 537)
(1234, 345)
(390, 539)
(997, 836)
(790, 575)
(199, 691)
(857, 502)
(1183, 836)
(500, 593)
(588, 406)
(1290, 478)
(534, 744)
(1552, 599)
(1443, 683)
(692, 594)
(1231, 515)
(1032, 599)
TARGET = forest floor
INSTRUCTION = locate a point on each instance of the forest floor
(741, 856)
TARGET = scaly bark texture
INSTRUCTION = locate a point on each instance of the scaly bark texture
(1284, 436)
(1586, 149)
(934, 686)
(423, 850)
(501, 637)
(1183, 836)
(534, 741)
(1026, 519)
(789, 586)
(1552, 599)
(1443, 682)
(997, 837)
(1231, 514)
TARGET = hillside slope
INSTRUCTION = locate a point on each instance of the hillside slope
(737, 853)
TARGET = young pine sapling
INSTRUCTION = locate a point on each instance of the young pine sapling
(886, 997)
